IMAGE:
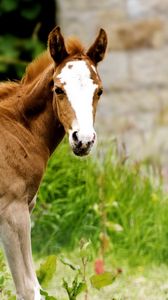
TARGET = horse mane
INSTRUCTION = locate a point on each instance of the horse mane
(74, 46)
(37, 66)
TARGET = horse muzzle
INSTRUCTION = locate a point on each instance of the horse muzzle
(82, 144)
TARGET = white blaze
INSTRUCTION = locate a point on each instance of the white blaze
(80, 89)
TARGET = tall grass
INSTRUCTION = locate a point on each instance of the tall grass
(100, 194)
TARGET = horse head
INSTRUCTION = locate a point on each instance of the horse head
(77, 87)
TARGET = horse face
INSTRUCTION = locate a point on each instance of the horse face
(77, 88)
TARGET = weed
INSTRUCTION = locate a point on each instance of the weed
(106, 199)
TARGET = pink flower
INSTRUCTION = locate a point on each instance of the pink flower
(99, 266)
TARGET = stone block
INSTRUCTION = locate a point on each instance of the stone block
(131, 35)
(114, 70)
(149, 67)
(139, 8)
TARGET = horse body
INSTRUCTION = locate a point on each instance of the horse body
(35, 114)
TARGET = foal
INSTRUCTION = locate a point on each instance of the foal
(57, 95)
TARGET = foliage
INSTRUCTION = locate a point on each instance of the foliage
(102, 280)
(47, 270)
(5, 292)
(11, 51)
(47, 297)
(104, 198)
(11, 5)
(62, 220)
(19, 41)
(80, 281)
(76, 288)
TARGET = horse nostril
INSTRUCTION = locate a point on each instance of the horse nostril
(79, 145)
(75, 136)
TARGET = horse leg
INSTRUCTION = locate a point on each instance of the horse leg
(15, 234)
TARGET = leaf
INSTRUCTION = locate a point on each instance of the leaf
(76, 288)
(68, 263)
(47, 297)
(66, 287)
(8, 6)
(85, 248)
(3, 67)
(47, 270)
(31, 13)
(2, 280)
(102, 280)
(12, 298)
(81, 288)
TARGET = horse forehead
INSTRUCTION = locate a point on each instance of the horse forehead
(77, 71)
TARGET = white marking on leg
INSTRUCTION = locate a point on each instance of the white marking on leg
(80, 89)
(37, 295)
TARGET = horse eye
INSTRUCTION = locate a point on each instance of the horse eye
(100, 92)
(59, 91)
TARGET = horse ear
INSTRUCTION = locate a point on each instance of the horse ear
(97, 50)
(56, 45)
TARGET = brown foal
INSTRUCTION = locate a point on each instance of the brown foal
(58, 94)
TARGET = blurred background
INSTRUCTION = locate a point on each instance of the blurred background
(134, 107)
(120, 192)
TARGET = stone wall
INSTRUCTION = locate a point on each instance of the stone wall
(134, 107)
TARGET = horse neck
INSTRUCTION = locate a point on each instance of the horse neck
(38, 114)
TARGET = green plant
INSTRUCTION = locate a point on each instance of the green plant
(19, 44)
(74, 290)
(45, 273)
(78, 286)
(47, 297)
(104, 198)
(5, 292)
(67, 196)
(80, 282)
(47, 270)
(11, 51)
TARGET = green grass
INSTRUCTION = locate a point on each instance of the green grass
(113, 202)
